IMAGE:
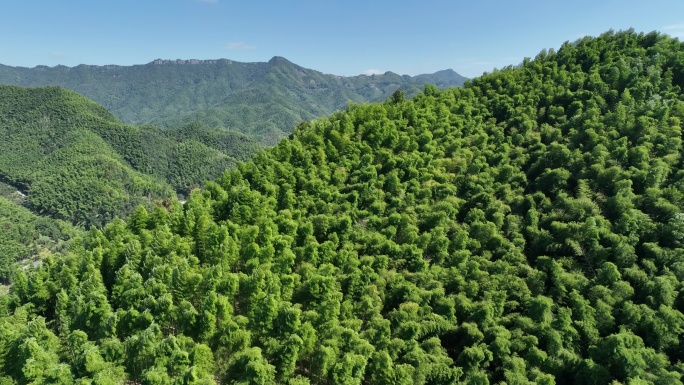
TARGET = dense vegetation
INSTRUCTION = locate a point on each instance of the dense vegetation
(76, 161)
(526, 228)
(25, 236)
(264, 100)
(51, 153)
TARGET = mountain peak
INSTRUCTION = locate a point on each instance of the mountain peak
(279, 60)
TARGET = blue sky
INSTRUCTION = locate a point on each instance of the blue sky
(340, 37)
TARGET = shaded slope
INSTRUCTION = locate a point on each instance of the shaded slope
(526, 228)
(77, 162)
(25, 236)
(67, 170)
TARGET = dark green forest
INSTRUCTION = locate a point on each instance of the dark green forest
(527, 228)
(75, 161)
(25, 236)
(263, 100)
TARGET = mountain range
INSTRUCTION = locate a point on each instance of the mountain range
(264, 100)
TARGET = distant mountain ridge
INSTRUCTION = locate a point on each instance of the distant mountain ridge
(264, 100)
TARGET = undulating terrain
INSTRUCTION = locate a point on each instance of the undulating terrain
(526, 228)
(263, 100)
(75, 161)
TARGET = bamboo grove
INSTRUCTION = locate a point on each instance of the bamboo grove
(525, 228)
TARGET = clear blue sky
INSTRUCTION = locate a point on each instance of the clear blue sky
(340, 37)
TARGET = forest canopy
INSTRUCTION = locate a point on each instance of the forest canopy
(75, 161)
(527, 228)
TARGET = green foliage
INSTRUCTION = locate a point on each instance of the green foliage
(263, 100)
(76, 162)
(25, 236)
(523, 229)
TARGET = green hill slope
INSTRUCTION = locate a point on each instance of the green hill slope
(77, 162)
(26, 236)
(263, 100)
(65, 168)
(524, 229)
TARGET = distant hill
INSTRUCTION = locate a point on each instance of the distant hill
(76, 161)
(263, 100)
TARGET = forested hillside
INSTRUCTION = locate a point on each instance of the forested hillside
(527, 228)
(25, 236)
(264, 100)
(76, 161)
